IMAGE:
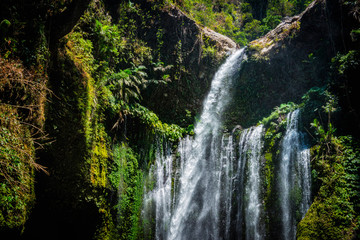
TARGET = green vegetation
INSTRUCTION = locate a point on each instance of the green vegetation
(243, 21)
(22, 98)
(17, 156)
(208, 51)
(279, 114)
(110, 68)
(128, 179)
(334, 213)
(172, 132)
(100, 71)
(275, 127)
(345, 63)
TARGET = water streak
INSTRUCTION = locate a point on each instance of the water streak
(158, 202)
(249, 203)
(294, 177)
(226, 184)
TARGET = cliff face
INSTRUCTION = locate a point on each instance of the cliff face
(194, 53)
(291, 59)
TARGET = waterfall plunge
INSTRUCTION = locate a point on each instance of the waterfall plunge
(196, 213)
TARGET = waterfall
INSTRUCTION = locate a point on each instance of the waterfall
(196, 212)
(294, 177)
(226, 181)
(249, 203)
(213, 187)
(158, 202)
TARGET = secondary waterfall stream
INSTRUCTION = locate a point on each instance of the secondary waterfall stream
(212, 188)
(294, 177)
(249, 183)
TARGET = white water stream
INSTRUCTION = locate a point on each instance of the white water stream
(196, 212)
(249, 172)
(294, 177)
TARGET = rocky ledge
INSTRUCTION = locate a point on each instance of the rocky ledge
(223, 44)
(321, 23)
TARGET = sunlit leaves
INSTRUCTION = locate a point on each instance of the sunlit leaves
(126, 84)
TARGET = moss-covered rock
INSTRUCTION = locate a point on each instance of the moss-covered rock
(22, 99)
(334, 212)
(275, 127)
(103, 140)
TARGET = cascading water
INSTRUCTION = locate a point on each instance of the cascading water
(294, 177)
(191, 209)
(158, 202)
(248, 173)
(226, 181)
(196, 213)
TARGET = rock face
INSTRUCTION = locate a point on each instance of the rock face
(195, 54)
(222, 43)
(320, 23)
(268, 44)
(290, 28)
(291, 59)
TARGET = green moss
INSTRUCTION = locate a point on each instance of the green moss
(106, 230)
(279, 114)
(355, 34)
(17, 157)
(171, 131)
(275, 127)
(269, 177)
(4, 26)
(272, 138)
(256, 46)
(80, 50)
(208, 51)
(128, 179)
(99, 157)
(274, 131)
